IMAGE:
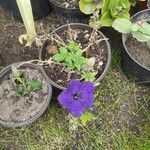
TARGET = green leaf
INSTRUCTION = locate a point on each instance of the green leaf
(87, 7)
(59, 57)
(89, 76)
(87, 117)
(145, 28)
(106, 19)
(135, 27)
(20, 91)
(140, 36)
(122, 25)
(79, 61)
(34, 85)
(63, 50)
(73, 46)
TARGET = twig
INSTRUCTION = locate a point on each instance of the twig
(69, 31)
(58, 40)
(94, 42)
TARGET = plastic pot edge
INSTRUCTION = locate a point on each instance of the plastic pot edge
(34, 118)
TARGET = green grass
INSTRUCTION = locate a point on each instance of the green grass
(123, 121)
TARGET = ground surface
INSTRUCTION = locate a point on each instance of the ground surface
(123, 112)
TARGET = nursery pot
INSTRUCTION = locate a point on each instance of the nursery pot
(4, 76)
(130, 66)
(113, 35)
(68, 13)
(40, 8)
(77, 26)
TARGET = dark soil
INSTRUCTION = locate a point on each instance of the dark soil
(61, 76)
(17, 109)
(140, 51)
(67, 3)
(11, 50)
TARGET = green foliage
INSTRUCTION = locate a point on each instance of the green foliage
(71, 56)
(107, 12)
(23, 86)
(139, 30)
(89, 76)
(87, 117)
(90, 6)
(114, 9)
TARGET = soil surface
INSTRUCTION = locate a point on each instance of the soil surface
(67, 3)
(17, 109)
(11, 50)
(58, 72)
(140, 51)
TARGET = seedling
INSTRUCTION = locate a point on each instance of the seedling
(23, 86)
(71, 55)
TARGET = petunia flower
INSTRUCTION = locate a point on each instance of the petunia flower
(78, 97)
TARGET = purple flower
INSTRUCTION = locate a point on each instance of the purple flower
(77, 97)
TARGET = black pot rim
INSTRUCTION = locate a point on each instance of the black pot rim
(105, 69)
(51, 1)
(35, 117)
(124, 36)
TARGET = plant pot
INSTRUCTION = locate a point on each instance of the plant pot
(77, 26)
(69, 14)
(20, 111)
(130, 66)
(40, 8)
(113, 35)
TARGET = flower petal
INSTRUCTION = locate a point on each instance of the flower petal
(65, 99)
(88, 87)
(76, 109)
(87, 99)
(73, 86)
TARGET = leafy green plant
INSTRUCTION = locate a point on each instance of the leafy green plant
(88, 76)
(114, 9)
(90, 6)
(23, 86)
(139, 30)
(71, 55)
(107, 12)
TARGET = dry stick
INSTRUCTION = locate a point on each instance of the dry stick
(69, 31)
(59, 39)
(40, 62)
(94, 42)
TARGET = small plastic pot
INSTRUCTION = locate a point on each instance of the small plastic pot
(69, 13)
(59, 88)
(40, 8)
(130, 66)
(4, 75)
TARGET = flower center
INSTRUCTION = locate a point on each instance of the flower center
(76, 96)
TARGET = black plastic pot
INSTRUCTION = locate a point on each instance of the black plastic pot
(40, 8)
(113, 35)
(130, 66)
(4, 74)
(57, 87)
(70, 14)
